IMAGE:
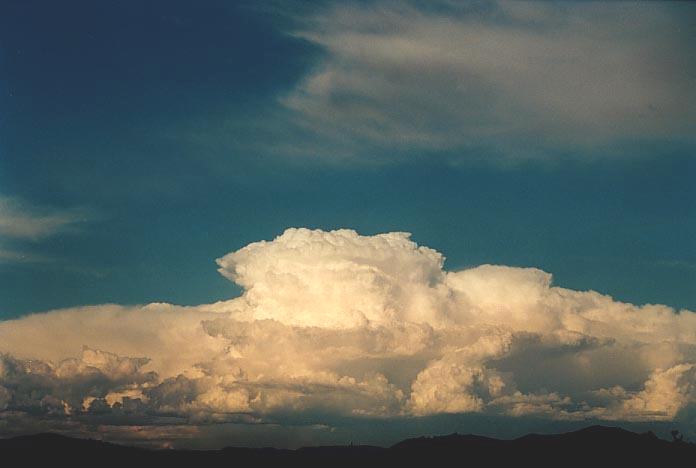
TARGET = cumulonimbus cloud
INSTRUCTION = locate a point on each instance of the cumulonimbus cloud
(358, 326)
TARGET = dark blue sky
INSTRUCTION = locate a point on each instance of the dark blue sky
(163, 132)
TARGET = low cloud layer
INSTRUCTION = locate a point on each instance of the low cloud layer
(343, 325)
(502, 80)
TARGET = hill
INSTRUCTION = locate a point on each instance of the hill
(593, 446)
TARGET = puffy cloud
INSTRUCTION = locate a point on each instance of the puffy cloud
(151, 331)
(337, 279)
(335, 323)
(501, 79)
(62, 388)
(664, 395)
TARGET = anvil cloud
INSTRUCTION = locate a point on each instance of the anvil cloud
(350, 325)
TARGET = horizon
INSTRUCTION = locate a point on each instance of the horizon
(675, 437)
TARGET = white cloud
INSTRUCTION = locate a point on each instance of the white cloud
(21, 223)
(507, 79)
(20, 220)
(354, 326)
(664, 394)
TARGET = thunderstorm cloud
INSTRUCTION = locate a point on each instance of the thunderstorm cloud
(341, 324)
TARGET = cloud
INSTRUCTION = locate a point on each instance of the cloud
(505, 80)
(14, 256)
(339, 325)
(21, 222)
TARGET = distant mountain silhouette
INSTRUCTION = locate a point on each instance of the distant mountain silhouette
(591, 447)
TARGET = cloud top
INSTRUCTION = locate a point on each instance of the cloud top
(340, 324)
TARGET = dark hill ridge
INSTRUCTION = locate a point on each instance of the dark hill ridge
(593, 446)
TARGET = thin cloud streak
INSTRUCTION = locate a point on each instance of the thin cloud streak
(20, 220)
(506, 80)
(23, 226)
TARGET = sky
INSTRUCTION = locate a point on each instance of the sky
(187, 189)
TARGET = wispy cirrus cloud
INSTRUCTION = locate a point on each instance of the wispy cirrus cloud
(502, 80)
(14, 256)
(23, 224)
(24, 221)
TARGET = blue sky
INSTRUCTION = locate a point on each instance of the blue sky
(156, 122)
(141, 141)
